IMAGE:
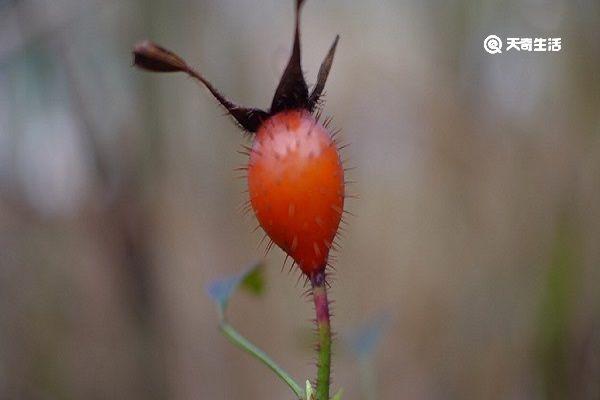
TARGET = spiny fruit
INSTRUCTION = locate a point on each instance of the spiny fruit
(296, 186)
(295, 176)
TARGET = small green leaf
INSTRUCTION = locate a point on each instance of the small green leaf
(338, 395)
(254, 280)
(310, 393)
(220, 291)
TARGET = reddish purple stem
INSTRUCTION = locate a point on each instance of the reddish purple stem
(324, 333)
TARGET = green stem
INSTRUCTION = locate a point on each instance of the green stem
(324, 333)
(237, 339)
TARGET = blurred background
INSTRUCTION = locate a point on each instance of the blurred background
(476, 232)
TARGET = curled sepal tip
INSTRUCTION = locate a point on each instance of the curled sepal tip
(152, 57)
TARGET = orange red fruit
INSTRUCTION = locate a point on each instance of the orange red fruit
(296, 186)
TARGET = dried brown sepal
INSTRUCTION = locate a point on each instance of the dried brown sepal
(292, 91)
(152, 57)
(315, 96)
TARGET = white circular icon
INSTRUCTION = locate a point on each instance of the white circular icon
(493, 44)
